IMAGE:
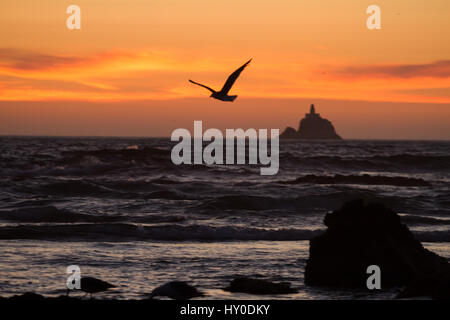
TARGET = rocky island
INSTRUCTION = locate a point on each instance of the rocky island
(312, 127)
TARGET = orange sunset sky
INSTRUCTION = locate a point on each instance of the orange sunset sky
(125, 72)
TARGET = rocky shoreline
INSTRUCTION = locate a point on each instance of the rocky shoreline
(358, 235)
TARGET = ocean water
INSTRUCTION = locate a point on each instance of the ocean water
(119, 209)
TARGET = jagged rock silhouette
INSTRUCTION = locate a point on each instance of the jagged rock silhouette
(360, 235)
(312, 127)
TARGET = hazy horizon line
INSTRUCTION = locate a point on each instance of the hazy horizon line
(168, 137)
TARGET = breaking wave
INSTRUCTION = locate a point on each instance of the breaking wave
(379, 162)
(360, 179)
(129, 232)
(53, 214)
(124, 231)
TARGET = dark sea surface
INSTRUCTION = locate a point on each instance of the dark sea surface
(120, 209)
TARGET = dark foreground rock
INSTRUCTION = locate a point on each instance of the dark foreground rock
(31, 296)
(360, 235)
(28, 296)
(258, 286)
(177, 290)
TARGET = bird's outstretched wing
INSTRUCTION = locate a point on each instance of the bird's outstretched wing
(202, 85)
(232, 78)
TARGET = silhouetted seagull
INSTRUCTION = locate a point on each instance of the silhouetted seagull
(223, 94)
(93, 285)
(177, 290)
